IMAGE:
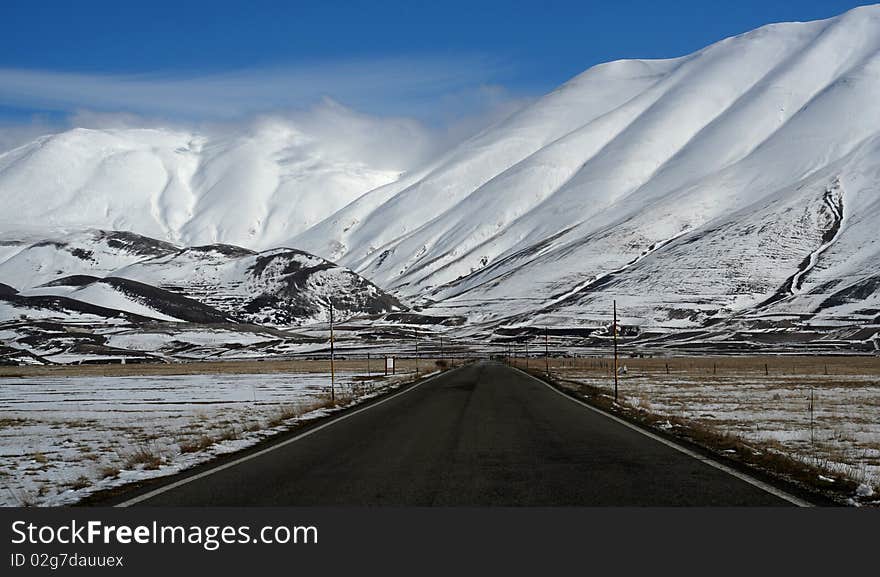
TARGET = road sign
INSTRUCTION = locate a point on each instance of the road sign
(389, 365)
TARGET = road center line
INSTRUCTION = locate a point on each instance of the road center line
(693, 454)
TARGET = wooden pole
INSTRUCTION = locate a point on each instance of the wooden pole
(614, 330)
(547, 349)
(332, 361)
(812, 438)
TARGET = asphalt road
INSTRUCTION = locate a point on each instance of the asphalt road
(482, 434)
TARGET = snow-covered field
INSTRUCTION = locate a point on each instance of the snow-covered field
(63, 438)
(767, 411)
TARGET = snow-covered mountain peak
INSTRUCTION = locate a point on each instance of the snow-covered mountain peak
(253, 187)
(625, 162)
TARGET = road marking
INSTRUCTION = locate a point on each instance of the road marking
(203, 474)
(720, 466)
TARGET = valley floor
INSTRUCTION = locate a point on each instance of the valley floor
(68, 431)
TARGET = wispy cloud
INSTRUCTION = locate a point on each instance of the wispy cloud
(399, 86)
(391, 113)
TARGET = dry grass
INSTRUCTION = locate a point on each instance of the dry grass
(80, 483)
(145, 455)
(230, 433)
(108, 472)
(195, 445)
(11, 423)
(287, 412)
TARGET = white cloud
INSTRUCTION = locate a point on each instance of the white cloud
(394, 143)
(399, 86)
(392, 113)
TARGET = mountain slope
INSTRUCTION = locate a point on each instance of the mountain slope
(690, 188)
(277, 287)
(254, 188)
(137, 275)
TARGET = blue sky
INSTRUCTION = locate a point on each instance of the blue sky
(432, 61)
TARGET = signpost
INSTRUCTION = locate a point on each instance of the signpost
(389, 365)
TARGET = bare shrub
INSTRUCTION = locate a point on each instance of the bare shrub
(81, 482)
(108, 472)
(195, 445)
(145, 455)
(229, 434)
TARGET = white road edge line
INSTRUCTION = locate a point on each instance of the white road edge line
(203, 474)
(720, 466)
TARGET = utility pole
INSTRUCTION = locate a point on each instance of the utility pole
(332, 360)
(812, 438)
(547, 349)
(417, 351)
(614, 330)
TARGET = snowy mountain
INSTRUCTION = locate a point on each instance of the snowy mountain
(733, 187)
(105, 296)
(690, 189)
(255, 188)
(276, 287)
(103, 271)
